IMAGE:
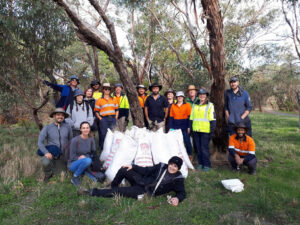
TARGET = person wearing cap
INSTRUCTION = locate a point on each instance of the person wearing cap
(237, 106)
(96, 85)
(242, 149)
(106, 109)
(154, 181)
(156, 108)
(170, 96)
(123, 104)
(179, 119)
(203, 124)
(142, 96)
(79, 111)
(67, 91)
(54, 136)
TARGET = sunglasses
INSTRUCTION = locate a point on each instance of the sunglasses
(106, 89)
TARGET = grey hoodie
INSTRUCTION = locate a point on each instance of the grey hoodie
(77, 117)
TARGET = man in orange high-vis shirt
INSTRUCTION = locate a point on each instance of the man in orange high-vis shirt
(242, 149)
(106, 109)
(142, 95)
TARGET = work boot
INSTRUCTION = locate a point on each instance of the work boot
(76, 181)
(200, 167)
(252, 172)
(83, 191)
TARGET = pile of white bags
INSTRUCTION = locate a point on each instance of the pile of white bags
(144, 148)
(234, 185)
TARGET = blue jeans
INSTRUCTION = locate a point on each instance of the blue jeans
(80, 165)
(187, 141)
(105, 123)
(202, 144)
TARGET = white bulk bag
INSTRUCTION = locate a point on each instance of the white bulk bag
(144, 156)
(159, 147)
(107, 145)
(118, 136)
(124, 156)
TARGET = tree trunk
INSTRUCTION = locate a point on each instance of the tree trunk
(214, 25)
(96, 66)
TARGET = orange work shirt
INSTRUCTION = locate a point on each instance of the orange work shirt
(244, 147)
(106, 107)
(142, 100)
(180, 112)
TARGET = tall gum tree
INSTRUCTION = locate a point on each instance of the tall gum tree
(93, 36)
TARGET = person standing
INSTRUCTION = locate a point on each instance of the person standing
(142, 96)
(107, 112)
(67, 91)
(79, 111)
(242, 149)
(156, 108)
(203, 124)
(192, 99)
(123, 104)
(56, 135)
(170, 95)
(88, 93)
(237, 106)
(81, 149)
(179, 119)
(96, 85)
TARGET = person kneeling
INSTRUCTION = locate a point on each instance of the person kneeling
(81, 149)
(242, 149)
(156, 180)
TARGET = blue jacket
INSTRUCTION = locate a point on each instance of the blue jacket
(237, 104)
(66, 96)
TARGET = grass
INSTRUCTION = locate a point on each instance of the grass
(270, 197)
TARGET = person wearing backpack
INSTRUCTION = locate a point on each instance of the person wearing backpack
(82, 148)
(56, 135)
(79, 111)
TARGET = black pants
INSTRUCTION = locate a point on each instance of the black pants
(132, 192)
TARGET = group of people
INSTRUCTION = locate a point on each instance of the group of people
(102, 107)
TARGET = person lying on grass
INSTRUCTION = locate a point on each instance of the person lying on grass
(154, 181)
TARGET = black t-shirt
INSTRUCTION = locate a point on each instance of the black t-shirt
(156, 108)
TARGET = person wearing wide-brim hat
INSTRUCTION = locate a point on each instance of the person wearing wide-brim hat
(203, 124)
(155, 85)
(156, 108)
(96, 86)
(56, 135)
(107, 111)
(122, 100)
(67, 91)
(242, 149)
(79, 111)
(179, 119)
(237, 106)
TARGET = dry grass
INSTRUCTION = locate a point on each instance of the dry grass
(15, 165)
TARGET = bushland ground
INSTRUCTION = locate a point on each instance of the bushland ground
(270, 197)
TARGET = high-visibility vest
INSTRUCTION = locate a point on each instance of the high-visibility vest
(201, 116)
(97, 95)
(122, 101)
(142, 100)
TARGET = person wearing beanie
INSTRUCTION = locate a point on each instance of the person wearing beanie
(155, 180)
(79, 111)
(67, 91)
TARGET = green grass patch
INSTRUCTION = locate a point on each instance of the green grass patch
(270, 197)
